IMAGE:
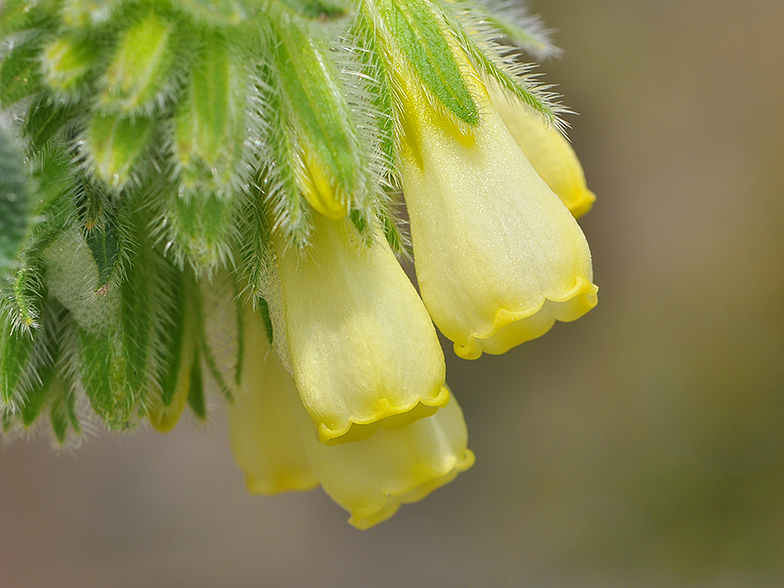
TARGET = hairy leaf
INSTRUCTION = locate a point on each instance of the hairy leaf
(20, 74)
(14, 202)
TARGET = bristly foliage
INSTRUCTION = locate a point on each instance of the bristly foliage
(159, 144)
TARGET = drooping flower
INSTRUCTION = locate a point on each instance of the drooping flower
(363, 350)
(275, 445)
(546, 149)
(498, 257)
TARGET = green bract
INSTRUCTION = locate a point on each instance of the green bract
(190, 186)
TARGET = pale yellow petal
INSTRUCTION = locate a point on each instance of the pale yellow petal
(498, 257)
(373, 477)
(548, 151)
(263, 421)
(362, 347)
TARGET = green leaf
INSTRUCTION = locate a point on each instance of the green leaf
(45, 117)
(14, 16)
(22, 15)
(115, 143)
(20, 73)
(14, 202)
(421, 38)
(210, 123)
(141, 64)
(196, 390)
(104, 246)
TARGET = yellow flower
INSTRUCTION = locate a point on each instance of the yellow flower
(267, 445)
(363, 350)
(274, 444)
(546, 149)
(498, 257)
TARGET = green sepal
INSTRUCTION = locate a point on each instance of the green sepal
(67, 61)
(115, 143)
(117, 352)
(177, 332)
(45, 117)
(14, 202)
(394, 237)
(53, 213)
(217, 13)
(16, 350)
(141, 64)
(104, 373)
(318, 9)
(200, 228)
(255, 257)
(320, 116)
(176, 326)
(210, 121)
(509, 74)
(36, 397)
(494, 19)
(196, 391)
(20, 73)
(140, 294)
(62, 411)
(104, 245)
(377, 83)
(263, 310)
(87, 13)
(421, 39)
(278, 179)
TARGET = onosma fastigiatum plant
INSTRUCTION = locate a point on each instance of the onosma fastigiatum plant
(202, 197)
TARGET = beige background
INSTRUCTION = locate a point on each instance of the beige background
(641, 446)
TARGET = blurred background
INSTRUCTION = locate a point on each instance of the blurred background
(642, 445)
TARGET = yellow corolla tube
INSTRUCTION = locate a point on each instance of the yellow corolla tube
(546, 149)
(263, 421)
(498, 256)
(362, 347)
(373, 477)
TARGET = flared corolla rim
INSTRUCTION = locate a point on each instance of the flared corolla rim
(532, 322)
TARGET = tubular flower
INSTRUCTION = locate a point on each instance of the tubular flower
(267, 445)
(547, 150)
(274, 443)
(498, 257)
(362, 347)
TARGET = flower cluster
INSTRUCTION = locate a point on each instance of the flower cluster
(203, 195)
